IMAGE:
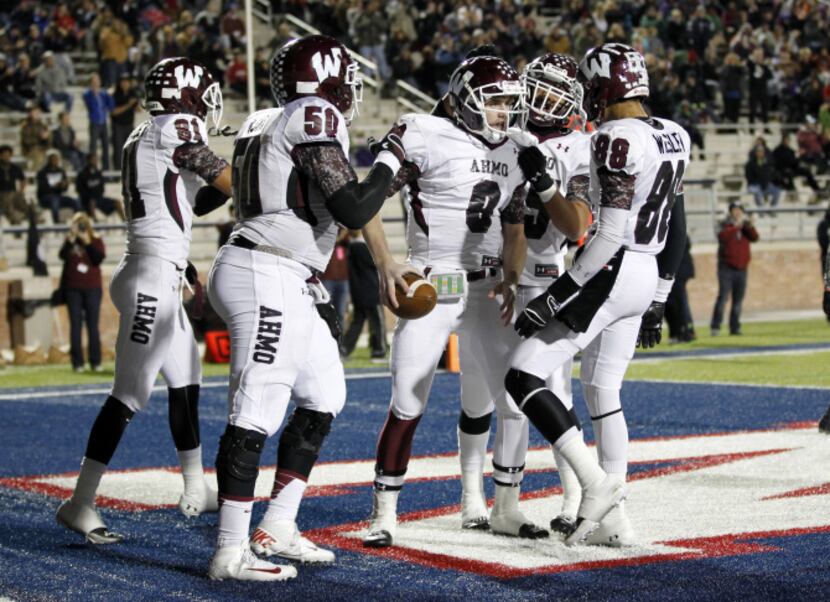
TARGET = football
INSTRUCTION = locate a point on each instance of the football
(420, 300)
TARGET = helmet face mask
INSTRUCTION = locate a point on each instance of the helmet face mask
(212, 97)
(485, 89)
(319, 66)
(552, 90)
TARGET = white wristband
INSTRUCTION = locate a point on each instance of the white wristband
(389, 159)
(664, 286)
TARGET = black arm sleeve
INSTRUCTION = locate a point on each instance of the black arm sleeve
(354, 204)
(207, 199)
(669, 258)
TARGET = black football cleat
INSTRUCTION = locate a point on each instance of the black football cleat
(824, 423)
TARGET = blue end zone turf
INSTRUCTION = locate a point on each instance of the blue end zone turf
(166, 556)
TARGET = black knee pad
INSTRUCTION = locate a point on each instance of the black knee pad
(302, 439)
(237, 462)
(107, 430)
(521, 384)
(183, 414)
(544, 409)
(474, 426)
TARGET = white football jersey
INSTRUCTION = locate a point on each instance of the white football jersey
(158, 195)
(568, 156)
(455, 206)
(656, 152)
(277, 205)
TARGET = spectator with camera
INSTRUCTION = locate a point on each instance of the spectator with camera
(81, 286)
(736, 234)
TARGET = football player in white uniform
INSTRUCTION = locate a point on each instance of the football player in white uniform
(166, 164)
(466, 201)
(553, 96)
(626, 270)
(292, 186)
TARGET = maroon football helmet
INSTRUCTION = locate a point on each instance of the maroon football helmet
(182, 85)
(609, 74)
(317, 66)
(474, 84)
(553, 92)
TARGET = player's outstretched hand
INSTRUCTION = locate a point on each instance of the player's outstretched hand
(825, 305)
(536, 315)
(391, 274)
(535, 168)
(651, 328)
(390, 142)
(508, 295)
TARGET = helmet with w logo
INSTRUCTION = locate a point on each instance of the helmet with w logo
(182, 85)
(317, 65)
(553, 94)
(610, 74)
(480, 82)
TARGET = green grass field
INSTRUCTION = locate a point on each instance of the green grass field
(795, 369)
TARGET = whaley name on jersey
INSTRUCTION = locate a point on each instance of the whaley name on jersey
(462, 194)
(652, 151)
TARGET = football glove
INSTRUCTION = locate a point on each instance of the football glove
(651, 328)
(328, 312)
(191, 276)
(535, 169)
(541, 310)
(390, 142)
(825, 305)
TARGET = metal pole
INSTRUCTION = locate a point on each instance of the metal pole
(249, 46)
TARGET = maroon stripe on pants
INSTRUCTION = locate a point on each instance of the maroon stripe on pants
(395, 445)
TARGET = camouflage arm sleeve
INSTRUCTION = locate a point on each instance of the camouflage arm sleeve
(325, 164)
(578, 189)
(199, 159)
(616, 189)
(514, 212)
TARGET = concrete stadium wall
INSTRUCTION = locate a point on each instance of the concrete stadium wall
(782, 277)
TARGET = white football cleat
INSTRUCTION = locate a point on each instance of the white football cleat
(194, 503)
(507, 519)
(597, 500)
(615, 530)
(84, 519)
(474, 513)
(384, 519)
(238, 562)
(283, 539)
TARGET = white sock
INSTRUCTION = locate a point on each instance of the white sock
(193, 472)
(88, 480)
(581, 459)
(612, 443)
(472, 450)
(571, 490)
(234, 522)
(285, 498)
